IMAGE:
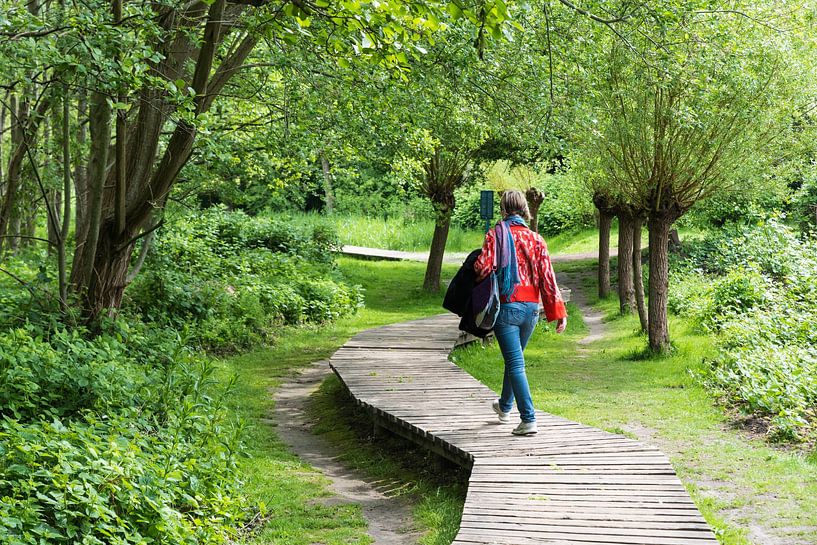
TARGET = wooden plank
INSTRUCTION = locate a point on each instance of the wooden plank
(570, 484)
(514, 536)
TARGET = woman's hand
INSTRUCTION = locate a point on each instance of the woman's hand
(561, 324)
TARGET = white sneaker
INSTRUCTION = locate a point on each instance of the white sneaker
(503, 416)
(525, 428)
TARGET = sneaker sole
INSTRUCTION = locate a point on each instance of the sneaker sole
(502, 420)
(524, 434)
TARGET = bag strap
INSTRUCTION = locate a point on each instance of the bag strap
(496, 249)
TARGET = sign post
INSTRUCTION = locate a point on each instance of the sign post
(486, 207)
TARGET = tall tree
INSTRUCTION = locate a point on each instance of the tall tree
(155, 71)
(683, 113)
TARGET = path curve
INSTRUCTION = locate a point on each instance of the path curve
(569, 485)
(390, 520)
(593, 319)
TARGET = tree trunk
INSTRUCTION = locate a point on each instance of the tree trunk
(54, 202)
(658, 330)
(2, 136)
(62, 265)
(605, 221)
(674, 241)
(329, 195)
(111, 264)
(626, 289)
(83, 269)
(14, 232)
(24, 138)
(638, 276)
(437, 252)
(147, 242)
(80, 170)
(535, 198)
(9, 218)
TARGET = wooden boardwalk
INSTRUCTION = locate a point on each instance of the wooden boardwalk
(455, 258)
(569, 484)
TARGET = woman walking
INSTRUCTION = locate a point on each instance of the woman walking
(525, 278)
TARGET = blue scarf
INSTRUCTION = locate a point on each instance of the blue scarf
(507, 265)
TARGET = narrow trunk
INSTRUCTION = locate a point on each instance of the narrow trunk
(535, 198)
(66, 189)
(28, 227)
(121, 131)
(24, 136)
(80, 170)
(9, 218)
(435, 255)
(54, 202)
(626, 289)
(329, 195)
(638, 275)
(659, 227)
(2, 136)
(147, 242)
(605, 221)
(14, 232)
(83, 270)
(674, 241)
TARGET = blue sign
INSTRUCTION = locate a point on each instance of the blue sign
(486, 204)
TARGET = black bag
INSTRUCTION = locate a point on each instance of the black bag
(485, 302)
(458, 296)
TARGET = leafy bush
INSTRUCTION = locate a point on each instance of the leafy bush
(755, 286)
(232, 280)
(466, 213)
(567, 205)
(123, 436)
(119, 439)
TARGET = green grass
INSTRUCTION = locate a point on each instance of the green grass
(400, 234)
(415, 236)
(289, 491)
(401, 469)
(736, 480)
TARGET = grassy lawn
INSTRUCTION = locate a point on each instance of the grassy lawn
(415, 236)
(289, 491)
(744, 487)
(396, 234)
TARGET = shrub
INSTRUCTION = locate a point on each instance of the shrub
(567, 205)
(119, 439)
(232, 280)
(754, 285)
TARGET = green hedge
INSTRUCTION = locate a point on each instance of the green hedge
(122, 435)
(120, 439)
(232, 280)
(754, 287)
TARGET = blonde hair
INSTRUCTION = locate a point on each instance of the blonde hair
(513, 202)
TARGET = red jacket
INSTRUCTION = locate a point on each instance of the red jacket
(536, 277)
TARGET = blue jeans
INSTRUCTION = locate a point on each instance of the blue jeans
(513, 328)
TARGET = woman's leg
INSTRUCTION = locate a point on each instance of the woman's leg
(528, 325)
(506, 335)
(513, 323)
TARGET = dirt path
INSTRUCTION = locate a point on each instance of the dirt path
(390, 520)
(593, 319)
